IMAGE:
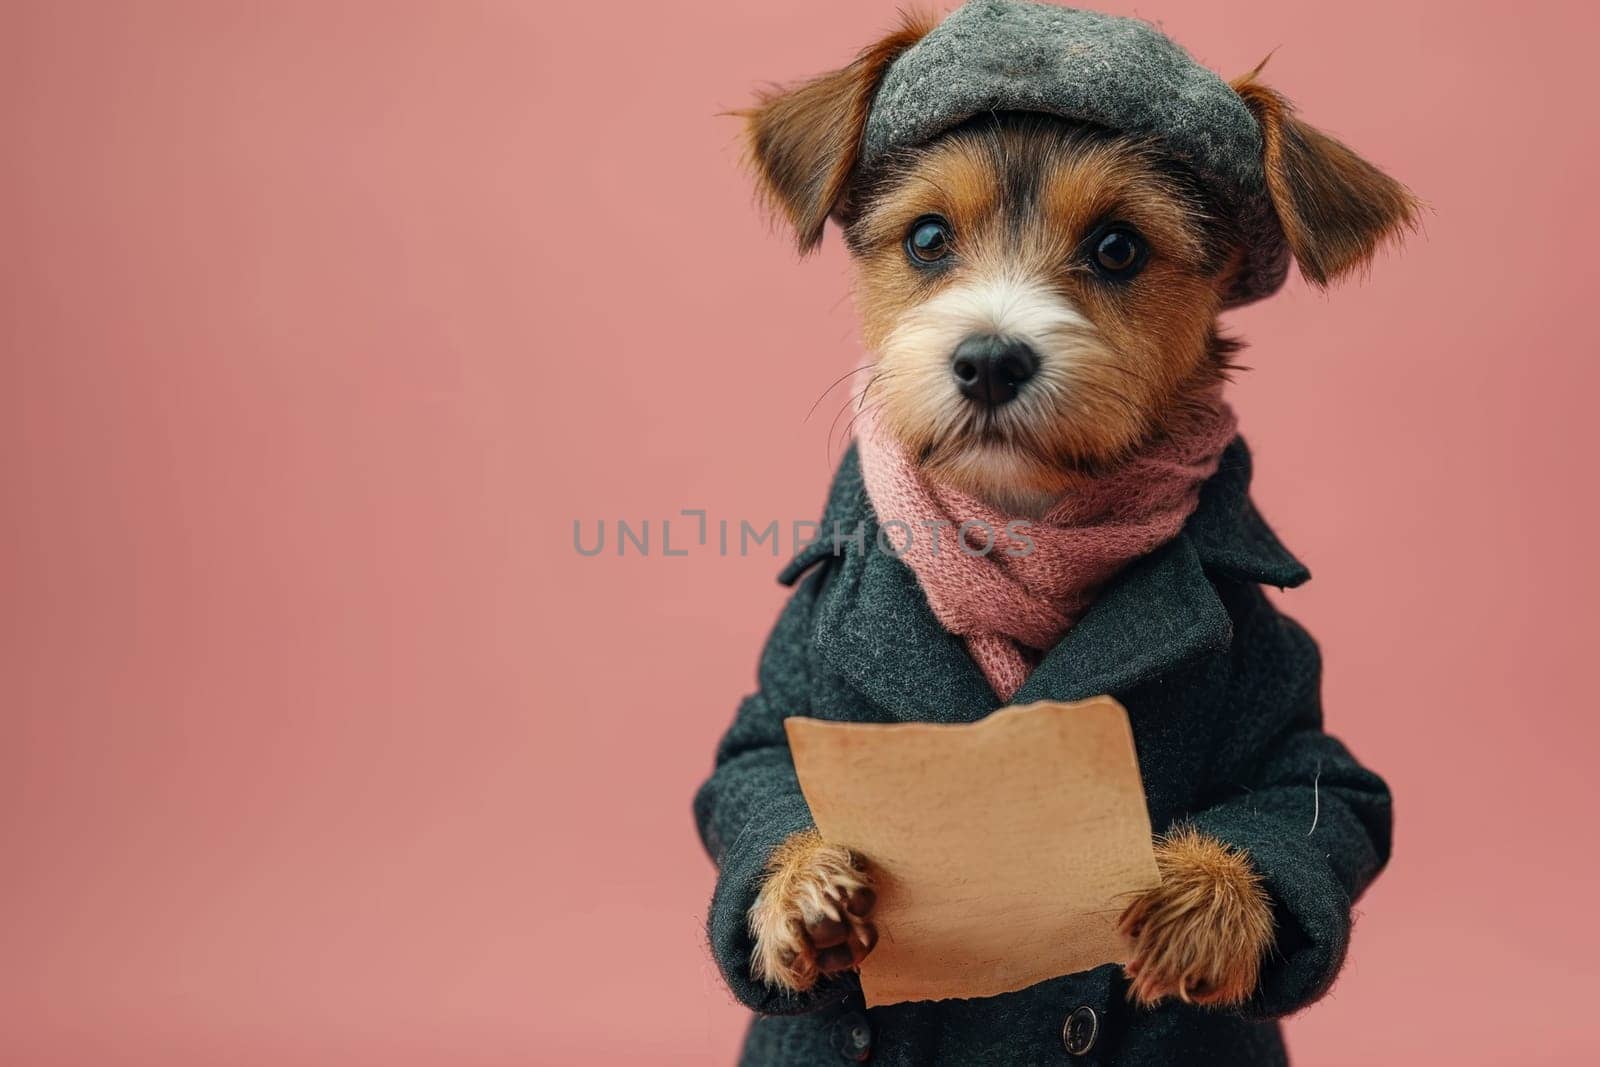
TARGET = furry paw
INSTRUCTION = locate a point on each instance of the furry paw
(810, 917)
(1202, 934)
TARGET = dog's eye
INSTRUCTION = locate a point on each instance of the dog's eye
(1119, 252)
(929, 239)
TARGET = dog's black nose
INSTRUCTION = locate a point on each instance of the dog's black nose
(991, 369)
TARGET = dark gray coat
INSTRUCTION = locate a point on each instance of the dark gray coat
(1224, 696)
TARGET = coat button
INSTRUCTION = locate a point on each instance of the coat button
(853, 1036)
(1082, 1027)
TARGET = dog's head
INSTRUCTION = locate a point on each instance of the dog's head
(1041, 294)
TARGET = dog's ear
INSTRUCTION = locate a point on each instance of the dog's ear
(1336, 209)
(803, 139)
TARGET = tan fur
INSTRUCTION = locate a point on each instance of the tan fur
(808, 883)
(802, 141)
(1202, 935)
(1336, 209)
(1137, 360)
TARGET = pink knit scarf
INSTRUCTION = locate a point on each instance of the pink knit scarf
(1014, 602)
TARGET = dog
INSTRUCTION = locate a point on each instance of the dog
(1040, 294)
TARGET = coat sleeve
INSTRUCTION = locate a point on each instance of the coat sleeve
(1315, 823)
(752, 802)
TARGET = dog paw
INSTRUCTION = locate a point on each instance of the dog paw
(810, 917)
(1200, 936)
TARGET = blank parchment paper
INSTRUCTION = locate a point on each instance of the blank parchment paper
(1004, 850)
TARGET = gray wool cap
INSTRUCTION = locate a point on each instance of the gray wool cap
(1118, 73)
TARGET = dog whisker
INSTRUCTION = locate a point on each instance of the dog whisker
(855, 401)
(831, 387)
(849, 426)
(876, 379)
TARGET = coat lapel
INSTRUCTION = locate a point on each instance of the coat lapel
(1159, 614)
(875, 626)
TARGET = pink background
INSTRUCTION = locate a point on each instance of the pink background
(322, 322)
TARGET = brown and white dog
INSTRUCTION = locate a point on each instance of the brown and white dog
(1104, 267)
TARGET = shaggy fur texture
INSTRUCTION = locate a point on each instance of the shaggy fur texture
(1336, 209)
(1202, 935)
(810, 917)
(1120, 363)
